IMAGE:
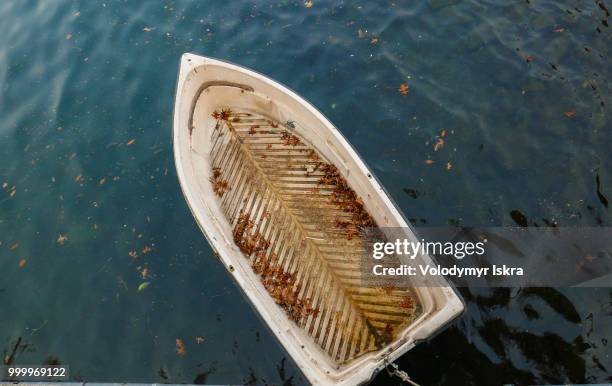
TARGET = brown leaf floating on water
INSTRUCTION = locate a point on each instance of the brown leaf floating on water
(61, 239)
(570, 113)
(404, 89)
(180, 347)
(22, 263)
(439, 145)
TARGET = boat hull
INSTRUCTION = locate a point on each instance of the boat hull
(205, 85)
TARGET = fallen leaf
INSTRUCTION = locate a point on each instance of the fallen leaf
(180, 347)
(62, 239)
(404, 89)
(439, 145)
(133, 254)
(406, 303)
(68, 36)
(449, 166)
(22, 263)
(570, 113)
(78, 178)
(199, 340)
(529, 58)
(374, 40)
(443, 133)
(102, 181)
(143, 286)
(308, 4)
(429, 161)
(559, 30)
(147, 29)
(130, 142)
(77, 14)
(14, 246)
(146, 249)
(144, 273)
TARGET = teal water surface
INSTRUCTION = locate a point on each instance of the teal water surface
(90, 197)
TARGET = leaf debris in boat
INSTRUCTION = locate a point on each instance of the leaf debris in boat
(220, 187)
(290, 139)
(346, 199)
(224, 115)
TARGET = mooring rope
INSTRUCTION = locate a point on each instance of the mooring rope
(393, 370)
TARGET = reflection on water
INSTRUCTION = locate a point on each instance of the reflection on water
(521, 90)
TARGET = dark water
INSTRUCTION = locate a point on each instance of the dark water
(522, 88)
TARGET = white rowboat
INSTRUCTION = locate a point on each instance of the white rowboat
(261, 170)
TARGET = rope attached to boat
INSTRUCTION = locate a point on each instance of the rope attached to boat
(393, 370)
